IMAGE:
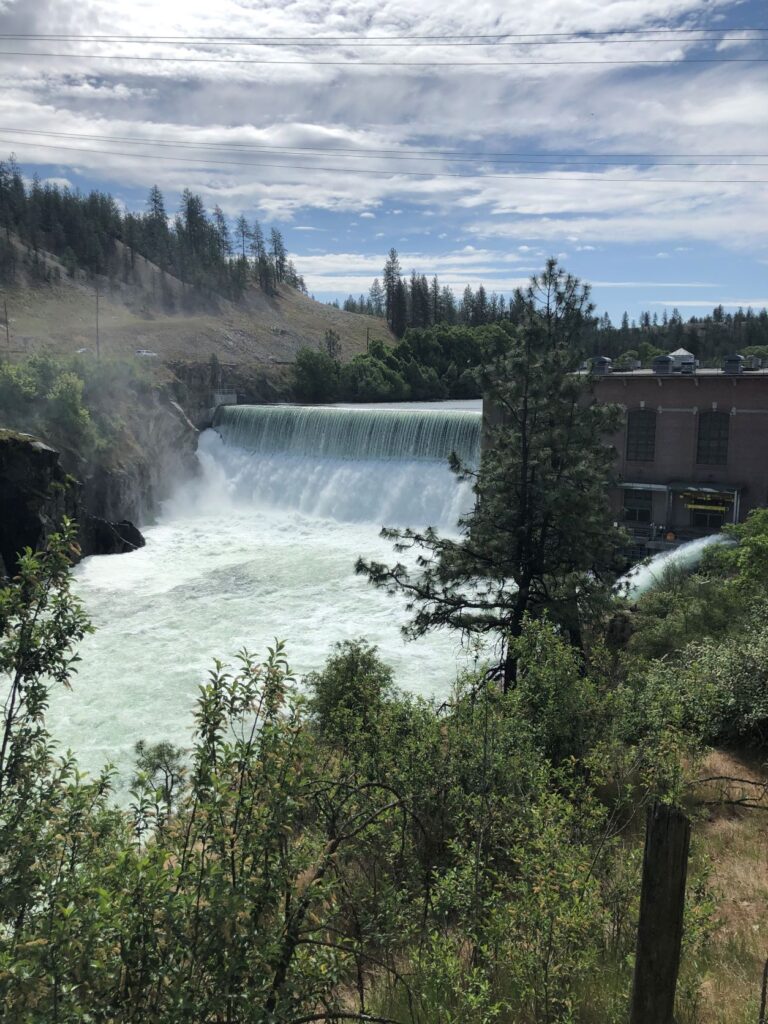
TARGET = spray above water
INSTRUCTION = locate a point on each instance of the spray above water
(262, 544)
(646, 576)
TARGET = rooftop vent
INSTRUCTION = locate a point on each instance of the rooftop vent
(733, 364)
(601, 365)
(663, 364)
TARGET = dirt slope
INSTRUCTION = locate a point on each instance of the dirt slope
(155, 313)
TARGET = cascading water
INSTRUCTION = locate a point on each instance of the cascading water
(645, 576)
(351, 433)
(382, 466)
(262, 545)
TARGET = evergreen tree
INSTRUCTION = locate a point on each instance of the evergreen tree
(376, 298)
(391, 277)
(278, 254)
(399, 320)
(244, 234)
(156, 231)
(224, 241)
(540, 535)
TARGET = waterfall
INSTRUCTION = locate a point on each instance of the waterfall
(387, 466)
(357, 433)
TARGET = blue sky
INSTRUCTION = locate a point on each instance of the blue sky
(475, 172)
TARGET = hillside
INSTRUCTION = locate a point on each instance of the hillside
(154, 312)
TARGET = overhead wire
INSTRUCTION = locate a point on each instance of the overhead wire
(451, 156)
(394, 173)
(605, 35)
(384, 63)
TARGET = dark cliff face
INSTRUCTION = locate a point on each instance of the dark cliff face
(36, 494)
(157, 450)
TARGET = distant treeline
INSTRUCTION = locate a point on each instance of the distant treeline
(418, 302)
(91, 234)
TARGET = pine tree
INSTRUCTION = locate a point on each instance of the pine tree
(399, 320)
(541, 534)
(278, 254)
(222, 233)
(156, 231)
(376, 298)
(243, 233)
(391, 277)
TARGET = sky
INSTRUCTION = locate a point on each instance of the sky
(627, 138)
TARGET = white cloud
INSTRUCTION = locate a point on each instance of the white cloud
(355, 112)
(697, 303)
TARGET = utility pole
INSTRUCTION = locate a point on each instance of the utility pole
(98, 345)
(368, 339)
(7, 326)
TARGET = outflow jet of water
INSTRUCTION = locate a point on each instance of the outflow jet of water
(645, 576)
(383, 466)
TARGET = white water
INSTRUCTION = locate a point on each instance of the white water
(262, 545)
(644, 577)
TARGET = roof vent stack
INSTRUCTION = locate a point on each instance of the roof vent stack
(601, 365)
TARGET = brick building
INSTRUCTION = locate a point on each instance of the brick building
(693, 450)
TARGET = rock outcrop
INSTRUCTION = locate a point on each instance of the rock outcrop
(36, 493)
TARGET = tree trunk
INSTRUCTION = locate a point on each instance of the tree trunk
(660, 930)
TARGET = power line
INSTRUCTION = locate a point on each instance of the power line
(397, 172)
(388, 41)
(453, 156)
(387, 63)
(595, 35)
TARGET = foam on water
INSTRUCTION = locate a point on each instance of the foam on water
(261, 545)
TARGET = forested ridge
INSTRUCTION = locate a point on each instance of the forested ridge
(416, 302)
(92, 234)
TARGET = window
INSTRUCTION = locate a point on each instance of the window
(641, 435)
(638, 506)
(707, 520)
(712, 448)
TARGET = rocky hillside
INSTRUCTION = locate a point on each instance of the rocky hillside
(148, 311)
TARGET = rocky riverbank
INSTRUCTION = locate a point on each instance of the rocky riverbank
(41, 484)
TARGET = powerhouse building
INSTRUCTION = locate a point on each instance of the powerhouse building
(693, 447)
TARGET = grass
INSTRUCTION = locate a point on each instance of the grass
(734, 839)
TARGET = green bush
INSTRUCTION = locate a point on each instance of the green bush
(316, 376)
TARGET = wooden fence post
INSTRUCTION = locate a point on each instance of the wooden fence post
(660, 929)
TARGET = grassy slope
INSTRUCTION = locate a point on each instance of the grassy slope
(736, 842)
(262, 329)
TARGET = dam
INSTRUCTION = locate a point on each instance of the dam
(262, 545)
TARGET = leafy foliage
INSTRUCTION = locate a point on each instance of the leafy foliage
(360, 855)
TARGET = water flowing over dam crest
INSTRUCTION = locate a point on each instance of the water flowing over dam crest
(262, 544)
(384, 466)
(352, 433)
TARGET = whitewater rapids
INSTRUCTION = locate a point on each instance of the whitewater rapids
(262, 545)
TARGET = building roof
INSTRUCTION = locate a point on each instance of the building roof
(682, 352)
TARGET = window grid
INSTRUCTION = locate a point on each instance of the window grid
(638, 506)
(712, 447)
(641, 435)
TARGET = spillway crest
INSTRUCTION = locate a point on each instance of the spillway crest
(376, 465)
(352, 433)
